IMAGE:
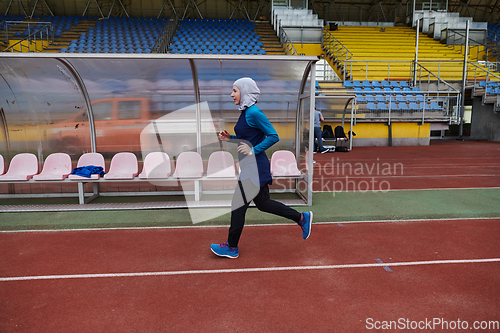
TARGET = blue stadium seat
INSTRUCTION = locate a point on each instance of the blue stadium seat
(413, 106)
(403, 107)
(371, 106)
(348, 84)
(393, 106)
(424, 106)
(381, 106)
(434, 106)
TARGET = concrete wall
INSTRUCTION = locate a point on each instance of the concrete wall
(485, 123)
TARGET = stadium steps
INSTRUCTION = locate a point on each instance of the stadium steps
(68, 35)
(395, 44)
(268, 37)
(21, 27)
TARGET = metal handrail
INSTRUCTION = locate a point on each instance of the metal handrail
(366, 62)
(478, 44)
(333, 43)
(28, 38)
(435, 76)
(163, 41)
(449, 100)
(488, 73)
(285, 41)
(48, 25)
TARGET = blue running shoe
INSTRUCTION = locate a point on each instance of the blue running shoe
(306, 224)
(224, 250)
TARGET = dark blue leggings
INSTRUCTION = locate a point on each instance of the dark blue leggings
(262, 200)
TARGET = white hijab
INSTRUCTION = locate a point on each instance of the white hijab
(249, 92)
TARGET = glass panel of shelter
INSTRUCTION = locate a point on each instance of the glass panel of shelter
(41, 102)
(140, 92)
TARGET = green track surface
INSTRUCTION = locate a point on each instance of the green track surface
(327, 207)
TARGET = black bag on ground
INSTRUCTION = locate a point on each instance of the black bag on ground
(341, 149)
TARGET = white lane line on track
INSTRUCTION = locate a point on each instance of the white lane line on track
(250, 225)
(244, 270)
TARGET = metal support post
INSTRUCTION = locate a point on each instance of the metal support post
(416, 53)
(464, 81)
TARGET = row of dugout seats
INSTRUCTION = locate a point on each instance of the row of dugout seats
(376, 84)
(124, 166)
(119, 35)
(211, 36)
(393, 106)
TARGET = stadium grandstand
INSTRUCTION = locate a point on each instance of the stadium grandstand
(123, 157)
(400, 65)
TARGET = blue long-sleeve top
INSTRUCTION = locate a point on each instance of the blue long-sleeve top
(257, 119)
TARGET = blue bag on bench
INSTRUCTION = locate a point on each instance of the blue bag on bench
(88, 171)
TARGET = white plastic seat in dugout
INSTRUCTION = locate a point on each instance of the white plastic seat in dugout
(189, 165)
(57, 166)
(221, 165)
(22, 167)
(156, 166)
(284, 164)
(123, 166)
(95, 159)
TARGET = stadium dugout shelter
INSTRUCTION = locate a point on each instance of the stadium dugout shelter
(78, 104)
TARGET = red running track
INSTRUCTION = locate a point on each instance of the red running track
(443, 164)
(196, 291)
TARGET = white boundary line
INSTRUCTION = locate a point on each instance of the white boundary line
(243, 270)
(248, 225)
